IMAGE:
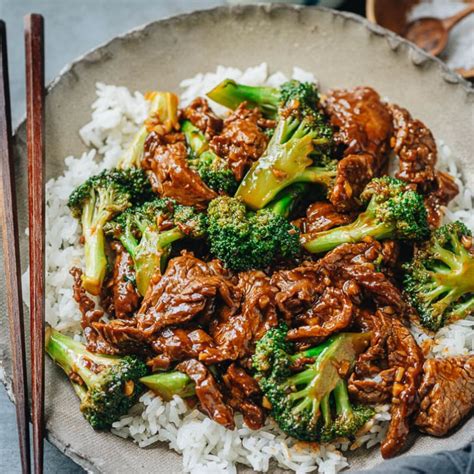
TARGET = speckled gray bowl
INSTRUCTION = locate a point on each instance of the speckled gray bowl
(342, 50)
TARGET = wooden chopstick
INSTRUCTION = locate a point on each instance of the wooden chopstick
(11, 255)
(34, 50)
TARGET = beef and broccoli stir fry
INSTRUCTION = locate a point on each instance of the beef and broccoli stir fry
(266, 263)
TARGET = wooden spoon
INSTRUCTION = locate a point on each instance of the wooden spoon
(431, 34)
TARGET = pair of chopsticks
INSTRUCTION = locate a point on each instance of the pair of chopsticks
(12, 259)
(35, 127)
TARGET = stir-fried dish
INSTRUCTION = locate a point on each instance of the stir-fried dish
(266, 263)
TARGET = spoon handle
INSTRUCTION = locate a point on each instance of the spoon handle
(448, 23)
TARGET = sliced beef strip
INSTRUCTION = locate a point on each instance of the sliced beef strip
(201, 116)
(361, 119)
(331, 313)
(443, 190)
(297, 289)
(315, 299)
(165, 160)
(243, 139)
(415, 146)
(125, 297)
(90, 315)
(208, 392)
(362, 130)
(319, 298)
(123, 336)
(243, 395)
(350, 266)
(235, 334)
(353, 174)
(398, 357)
(321, 216)
(189, 288)
(119, 336)
(177, 344)
(446, 394)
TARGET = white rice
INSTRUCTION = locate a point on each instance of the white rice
(205, 445)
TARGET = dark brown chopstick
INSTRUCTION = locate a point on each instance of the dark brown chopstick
(34, 50)
(11, 255)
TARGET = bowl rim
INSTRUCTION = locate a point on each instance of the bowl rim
(421, 57)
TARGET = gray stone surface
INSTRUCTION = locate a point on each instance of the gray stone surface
(72, 28)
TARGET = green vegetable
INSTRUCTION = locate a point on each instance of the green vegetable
(95, 202)
(212, 169)
(300, 147)
(244, 239)
(169, 384)
(107, 386)
(162, 115)
(288, 159)
(440, 279)
(138, 229)
(270, 100)
(392, 212)
(312, 404)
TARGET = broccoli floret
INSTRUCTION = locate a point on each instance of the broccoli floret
(212, 169)
(439, 281)
(393, 212)
(139, 231)
(270, 100)
(169, 384)
(348, 418)
(162, 117)
(107, 386)
(245, 239)
(95, 202)
(288, 159)
(312, 404)
(300, 147)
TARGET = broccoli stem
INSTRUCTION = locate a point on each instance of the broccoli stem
(230, 94)
(197, 142)
(164, 109)
(451, 294)
(462, 309)
(62, 349)
(195, 138)
(305, 401)
(286, 161)
(167, 237)
(312, 352)
(152, 254)
(343, 404)
(213, 170)
(301, 378)
(326, 411)
(285, 202)
(317, 175)
(362, 227)
(459, 271)
(128, 240)
(169, 384)
(132, 156)
(95, 259)
(72, 356)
